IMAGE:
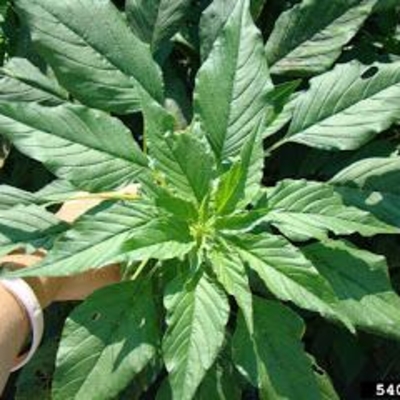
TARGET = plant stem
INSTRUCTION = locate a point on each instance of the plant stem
(139, 269)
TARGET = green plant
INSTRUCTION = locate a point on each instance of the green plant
(215, 262)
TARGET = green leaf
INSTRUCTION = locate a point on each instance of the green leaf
(287, 273)
(212, 21)
(242, 181)
(347, 107)
(155, 21)
(178, 207)
(182, 160)
(22, 81)
(280, 115)
(361, 283)
(372, 184)
(326, 389)
(87, 147)
(28, 226)
(11, 196)
(257, 7)
(95, 240)
(282, 100)
(274, 358)
(241, 222)
(308, 38)
(143, 381)
(197, 312)
(162, 238)
(303, 209)
(111, 335)
(219, 384)
(232, 274)
(231, 85)
(196, 163)
(57, 191)
(98, 60)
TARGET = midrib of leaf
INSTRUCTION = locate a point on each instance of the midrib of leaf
(232, 76)
(91, 45)
(231, 91)
(237, 95)
(191, 328)
(340, 109)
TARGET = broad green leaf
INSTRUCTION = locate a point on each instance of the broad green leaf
(274, 358)
(178, 100)
(232, 84)
(287, 273)
(212, 21)
(281, 99)
(98, 60)
(257, 7)
(372, 184)
(106, 342)
(143, 381)
(87, 147)
(197, 312)
(164, 392)
(22, 81)
(303, 209)
(181, 160)
(219, 384)
(280, 115)
(193, 162)
(232, 274)
(325, 386)
(347, 107)
(308, 38)
(58, 191)
(155, 21)
(28, 225)
(11, 196)
(95, 239)
(242, 181)
(163, 238)
(177, 206)
(241, 222)
(361, 283)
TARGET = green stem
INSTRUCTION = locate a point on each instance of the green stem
(140, 268)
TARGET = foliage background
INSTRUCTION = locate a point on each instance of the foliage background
(346, 358)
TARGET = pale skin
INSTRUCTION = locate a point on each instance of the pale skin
(14, 324)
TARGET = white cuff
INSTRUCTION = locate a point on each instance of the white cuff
(26, 297)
